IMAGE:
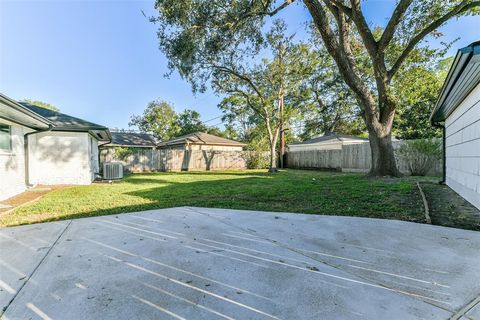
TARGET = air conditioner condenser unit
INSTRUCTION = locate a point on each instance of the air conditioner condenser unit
(112, 171)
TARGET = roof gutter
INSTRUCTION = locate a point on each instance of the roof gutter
(26, 153)
(15, 105)
(462, 59)
(107, 142)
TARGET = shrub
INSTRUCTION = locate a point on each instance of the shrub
(257, 159)
(420, 155)
(122, 153)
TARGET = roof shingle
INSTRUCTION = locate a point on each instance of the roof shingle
(63, 122)
(132, 139)
(327, 137)
(201, 138)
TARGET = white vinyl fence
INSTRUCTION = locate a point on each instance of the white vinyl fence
(351, 158)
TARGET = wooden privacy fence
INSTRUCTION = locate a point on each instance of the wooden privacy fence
(141, 159)
(188, 160)
(351, 158)
(144, 160)
(315, 159)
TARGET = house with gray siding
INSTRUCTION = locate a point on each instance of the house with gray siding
(458, 112)
(44, 147)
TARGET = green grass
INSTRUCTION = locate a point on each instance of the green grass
(300, 191)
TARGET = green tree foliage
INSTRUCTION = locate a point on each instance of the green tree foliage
(189, 121)
(123, 153)
(41, 104)
(334, 107)
(328, 104)
(264, 94)
(418, 90)
(219, 133)
(239, 119)
(196, 35)
(159, 118)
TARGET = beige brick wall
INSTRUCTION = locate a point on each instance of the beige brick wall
(60, 158)
(12, 164)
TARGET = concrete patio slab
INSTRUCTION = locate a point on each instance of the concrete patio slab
(198, 263)
(21, 251)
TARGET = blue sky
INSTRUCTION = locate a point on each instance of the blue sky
(99, 60)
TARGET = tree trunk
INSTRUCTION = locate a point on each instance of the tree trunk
(282, 129)
(272, 138)
(273, 158)
(383, 157)
(378, 112)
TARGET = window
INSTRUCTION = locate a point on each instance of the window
(5, 140)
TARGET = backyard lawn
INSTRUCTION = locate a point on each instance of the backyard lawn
(300, 191)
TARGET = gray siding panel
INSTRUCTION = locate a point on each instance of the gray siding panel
(463, 148)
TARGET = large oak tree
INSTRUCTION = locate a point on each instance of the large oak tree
(194, 33)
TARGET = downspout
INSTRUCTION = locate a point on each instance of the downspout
(444, 152)
(100, 167)
(26, 153)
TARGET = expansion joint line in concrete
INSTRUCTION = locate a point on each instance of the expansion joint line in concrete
(35, 269)
(469, 306)
(312, 258)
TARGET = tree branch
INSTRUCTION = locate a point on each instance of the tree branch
(242, 93)
(364, 29)
(265, 12)
(241, 77)
(338, 53)
(281, 7)
(340, 5)
(462, 7)
(393, 23)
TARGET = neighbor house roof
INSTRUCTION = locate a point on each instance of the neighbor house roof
(132, 139)
(64, 122)
(17, 113)
(330, 137)
(201, 138)
(462, 78)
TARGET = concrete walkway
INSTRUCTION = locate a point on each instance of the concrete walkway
(197, 263)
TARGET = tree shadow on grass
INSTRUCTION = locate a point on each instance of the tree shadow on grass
(333, 195)
(146, 181)
(208, 193)
(259, 172)
(162, 177)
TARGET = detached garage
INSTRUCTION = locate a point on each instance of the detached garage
(458, 112)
